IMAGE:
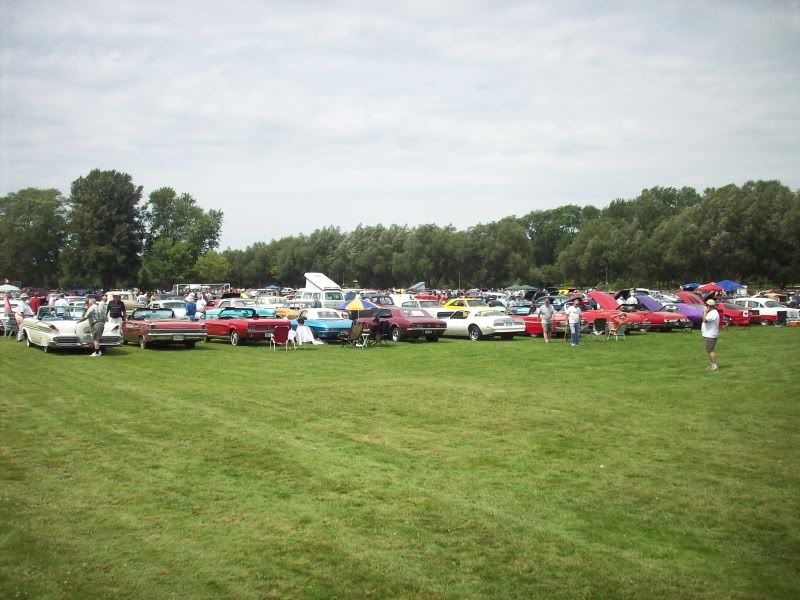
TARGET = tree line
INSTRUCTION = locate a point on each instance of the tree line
(103, 235)
(663, 237)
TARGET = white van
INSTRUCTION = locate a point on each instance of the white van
(320, 291)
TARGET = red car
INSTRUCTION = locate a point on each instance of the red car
(636, 320)
(153, 326)
(242, 324)
(407, 322)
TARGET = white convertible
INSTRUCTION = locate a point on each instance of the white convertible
(481, 323)
(58, 327)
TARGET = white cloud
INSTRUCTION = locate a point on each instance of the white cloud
(295, 115)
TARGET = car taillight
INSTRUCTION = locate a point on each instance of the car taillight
(745, 313)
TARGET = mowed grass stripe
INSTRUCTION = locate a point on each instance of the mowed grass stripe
(511, 469)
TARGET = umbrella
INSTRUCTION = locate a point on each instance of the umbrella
(8, 288)
(710, 287)
(357, 304)
(729, 285)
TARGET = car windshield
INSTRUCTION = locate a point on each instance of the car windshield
(326, 314)
(237, 313)
(173, 304)
(55, 313)
(415, 312)
(429, 304)
(152, 313)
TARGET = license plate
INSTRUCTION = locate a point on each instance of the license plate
(428, 331)
(177, 338)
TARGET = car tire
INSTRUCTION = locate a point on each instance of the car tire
(235, 339)
(142, 343)
(474, 333)
(397, 335)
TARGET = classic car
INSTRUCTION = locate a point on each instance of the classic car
(262, 309)
(636, 320)
(152, 326)
(769, 310)
(326, 324)
(242, 324)
(430, 306)
(58, 327)
(127, 297)
(282, 307)
(661, 318)
(176, 306)
(406, 323)
(480, 323)
(462, 304)
(733, 314)
(379, 299)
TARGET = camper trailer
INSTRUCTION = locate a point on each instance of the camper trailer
(320, 289)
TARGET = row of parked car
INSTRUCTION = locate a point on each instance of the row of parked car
(241, 320)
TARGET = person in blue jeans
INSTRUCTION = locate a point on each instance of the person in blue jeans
(574, 322)
(191, 307)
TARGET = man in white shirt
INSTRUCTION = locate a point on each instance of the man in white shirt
(200, 312)
(61, 301)
(23, 310)
(710, 332)
(574, 321)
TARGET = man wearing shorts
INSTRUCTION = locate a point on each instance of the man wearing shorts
(710, 332)
(545, 312)
(96, 316)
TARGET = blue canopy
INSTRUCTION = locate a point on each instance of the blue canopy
(690, 287)
(729, 285)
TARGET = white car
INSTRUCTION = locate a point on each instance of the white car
(178, 307)
(482, 323)
(58, 327)
(429, 306)
(767, 307)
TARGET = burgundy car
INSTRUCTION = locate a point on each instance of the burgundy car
(407, 323)
(152, 326)
(242, 324)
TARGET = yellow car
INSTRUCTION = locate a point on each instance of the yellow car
(464, 304)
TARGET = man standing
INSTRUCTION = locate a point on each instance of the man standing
(36, 302)
(545, 313)
(95, 314)
(574, 322)
(23, 310)
(710, 331)
(61, 301)
(201, 306)
(191, 307)
(116, 310)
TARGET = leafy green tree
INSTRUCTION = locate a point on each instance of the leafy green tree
(178, 234)
(32, 233)
(105, 229)
(212, 267)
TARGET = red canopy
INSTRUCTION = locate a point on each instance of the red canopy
(710, 287)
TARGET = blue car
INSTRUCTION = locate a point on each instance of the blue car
(262, 310)
(326, 324)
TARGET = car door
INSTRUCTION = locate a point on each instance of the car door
(457, 324)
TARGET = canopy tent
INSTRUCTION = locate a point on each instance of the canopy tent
(417, 287)
(272, 287)
(8, 288)
(710, 287)
(521, 288)
(729, 285)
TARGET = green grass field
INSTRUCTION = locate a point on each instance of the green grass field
(490, 469)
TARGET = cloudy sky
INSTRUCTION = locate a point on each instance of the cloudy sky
(292, 115)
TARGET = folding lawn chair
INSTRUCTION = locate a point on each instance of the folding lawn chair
(280, 337)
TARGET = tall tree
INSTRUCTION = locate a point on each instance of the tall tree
(32, 233)
(178, 234)
(105, 233)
